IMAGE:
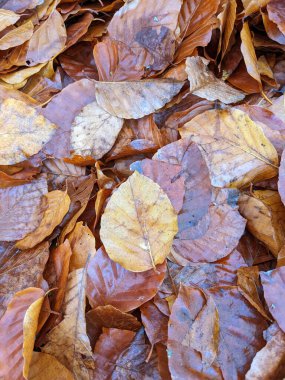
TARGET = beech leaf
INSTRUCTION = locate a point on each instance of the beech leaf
(47, 367)
(17, 36)
(7, 18)
(138, 225)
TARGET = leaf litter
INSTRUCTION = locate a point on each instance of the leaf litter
(142, 190)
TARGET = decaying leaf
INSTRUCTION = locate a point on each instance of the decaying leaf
(57, 206)
(203, 82)
(47, 367)
(108, 283)
(145, 237)
(94, 131)
(135, 99)
(265, 214)
(23, 130)
(20, 319)
(68, 341)
(21, 209)
(234, 147)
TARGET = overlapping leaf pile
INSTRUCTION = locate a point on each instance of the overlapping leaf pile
(142, 189)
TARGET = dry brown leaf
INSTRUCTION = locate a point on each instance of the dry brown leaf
(252, 6)
(68, 341)
(203, 82)
(17, 36)
(234, 147)
(94, 131)
(135, 99)
(23, 131)
(281, 179)
(276, 13)
(138, 225)
(265, 216)
(82, 243)
(248, 52)
(20, 319)
(26, 266)
(21, 209)
(7, 18)
(227, 22)
(19, 77)
(47, 367)
(48, 40)
(58, 203)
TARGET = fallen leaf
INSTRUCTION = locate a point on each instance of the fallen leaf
(94, 131)
(227, 22)
(138, 225)
(276, 13)
(241, 328)
(75, 31)
(265, 216)
(155, 323)
(71, 332)
(108, 283)
(252, 6)
(203, 82)
(20, 319)
(21, 209)
(48, 40)
(25, 266)
(268, 363)
(82, 243)
(135, 99)
(17, 36)
(58, 203)
(273, 287)
(281, 179)
(7, 18)
(24, 133)
(46, 367)
(234, 147)
(151, 33)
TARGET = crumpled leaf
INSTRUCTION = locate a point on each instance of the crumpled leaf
(241, 328)
(94, 131)
(203, 82)
(273, 287)
(21, 209)
(227, 22)
(48, 40)
(108, 283)
(25, 266)
(268, 363)
(47, 367)
(24, 133)
(82, 243)
(17, 36)
(58, 203)
(151, 33)
(265, 216)
(71, 332)
(234, 147)
(7, 18)
(135, 99)
(138, 225)
(20, 319)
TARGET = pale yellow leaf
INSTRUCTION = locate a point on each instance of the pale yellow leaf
(7, 18)
(204, 84)
(68, 341)
(139, 224)
(17, 36)
(94, 131)
(47, 367)
(248, 52)
(135, 99)
(23, 131)
(234, 147)
(58, 205)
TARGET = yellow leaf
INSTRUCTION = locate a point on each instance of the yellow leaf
(30, 325)
(139, 224)
(47, 367)
(94, 131)
(23, 131)
(17, 36)
(265, 216)
(58, 205)
(203, 82)
(82, 243)
(135, 99)
(19, 76)
(234, 147)
(248, 52)
(7, 18)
